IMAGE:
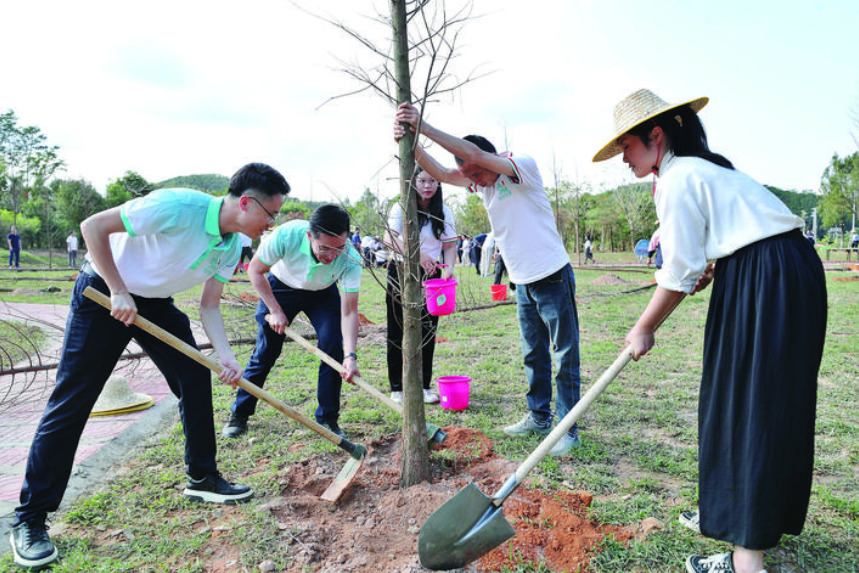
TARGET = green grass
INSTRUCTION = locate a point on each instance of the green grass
(638, 456)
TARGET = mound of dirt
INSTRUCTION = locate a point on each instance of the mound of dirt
(609, 280)
(374, 526)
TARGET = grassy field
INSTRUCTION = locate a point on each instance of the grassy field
(639, 451)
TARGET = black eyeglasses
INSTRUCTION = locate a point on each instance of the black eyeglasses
(271, 217)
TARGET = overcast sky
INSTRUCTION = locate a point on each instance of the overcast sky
(180, 87)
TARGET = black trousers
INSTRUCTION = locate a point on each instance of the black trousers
(429, 325)
(762, 350)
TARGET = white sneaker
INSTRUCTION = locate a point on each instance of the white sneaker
(397, 397)
(691, 520)
(430, 397)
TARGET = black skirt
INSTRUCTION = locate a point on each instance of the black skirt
(762, 350)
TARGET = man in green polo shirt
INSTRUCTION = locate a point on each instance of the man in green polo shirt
(304, 261)
(141, 254)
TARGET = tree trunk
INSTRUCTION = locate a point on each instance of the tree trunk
(415, 457)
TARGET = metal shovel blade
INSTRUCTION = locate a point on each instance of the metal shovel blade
(465, 528)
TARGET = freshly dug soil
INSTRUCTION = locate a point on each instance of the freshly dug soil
(374, 526)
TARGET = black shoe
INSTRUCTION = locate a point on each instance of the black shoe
(215, 489)
(334, 428)
(236, 426)
(31, 546)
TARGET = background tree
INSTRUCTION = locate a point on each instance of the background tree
(76, 200)
(634, 203)
(840, 192)
(130, 186)
(470, 214)
(370, 213)
(27, 162)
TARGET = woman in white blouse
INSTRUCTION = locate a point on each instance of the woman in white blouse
(765, 328)
(437, 236)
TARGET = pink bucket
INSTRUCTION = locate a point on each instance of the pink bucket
(441, 296)
(454, 391)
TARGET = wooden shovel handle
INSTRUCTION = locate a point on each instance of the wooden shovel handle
(360, 382)
(572, 416)
(212, 365)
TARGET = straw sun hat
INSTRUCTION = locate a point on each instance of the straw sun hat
(634, 110)
(117, 398)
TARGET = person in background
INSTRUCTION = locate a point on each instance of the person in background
(466, 250)
(356, 239)
(296, 269)
(523, 224)
(380, 254)
(141, 254)
(72, 246)
(477, 251)
(367, 244)
(756, 414)
(438, 240)
(589, 251)
(809, 235)
(14, 241)
(247, 251)
(854, 240)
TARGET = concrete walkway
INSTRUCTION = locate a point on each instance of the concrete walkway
(106, 441)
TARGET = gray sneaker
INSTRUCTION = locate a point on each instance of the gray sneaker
(333, 427)
(528, 425)
(32, 548)
(565, 444)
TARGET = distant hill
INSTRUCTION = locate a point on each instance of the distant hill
(801, 204)
(210, 183)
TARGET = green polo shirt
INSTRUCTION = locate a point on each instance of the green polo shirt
(172, 243)
(287, 251)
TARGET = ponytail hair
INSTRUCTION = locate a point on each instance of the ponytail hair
(685, 133)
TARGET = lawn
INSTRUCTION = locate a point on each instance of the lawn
(638, 457)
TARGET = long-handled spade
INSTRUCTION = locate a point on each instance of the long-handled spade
(434, 433)
(471, 524)
(356, 451)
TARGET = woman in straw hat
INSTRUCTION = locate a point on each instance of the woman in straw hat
(764, 334)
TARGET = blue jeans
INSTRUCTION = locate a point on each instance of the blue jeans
(14, 257)
(548, 319)
(323, 309)
(94, 342)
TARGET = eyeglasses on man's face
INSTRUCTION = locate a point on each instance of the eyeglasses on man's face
(272, 217)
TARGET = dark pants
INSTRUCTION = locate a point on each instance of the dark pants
(429, 325)
(73, 259)
(92, 346)
(14, 257)
(322, 307)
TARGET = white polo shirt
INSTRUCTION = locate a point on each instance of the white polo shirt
(172, 242)
(430, 246)
(287, 251)
(523, 222)
(707, 212)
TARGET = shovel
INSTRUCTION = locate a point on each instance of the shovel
(434, 433)
(471, 524)
(356, 451)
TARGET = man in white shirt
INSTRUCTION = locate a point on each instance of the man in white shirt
(523, 224)
(304, 261)
(72, 244)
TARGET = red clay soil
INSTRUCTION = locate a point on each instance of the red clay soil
(374, 526)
